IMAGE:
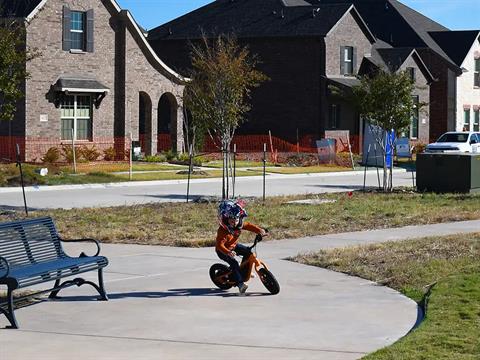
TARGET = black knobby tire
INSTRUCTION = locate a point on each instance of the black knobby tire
(217, 270)
(269, 281)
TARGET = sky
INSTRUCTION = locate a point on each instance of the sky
(454, 14)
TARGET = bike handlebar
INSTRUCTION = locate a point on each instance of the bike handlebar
(258, 238)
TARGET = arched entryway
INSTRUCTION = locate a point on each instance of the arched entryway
(167, 122)
(145, 122)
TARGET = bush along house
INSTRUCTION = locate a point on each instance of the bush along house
(97, 80)
(306, 45)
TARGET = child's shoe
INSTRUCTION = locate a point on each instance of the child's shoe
(242, 288)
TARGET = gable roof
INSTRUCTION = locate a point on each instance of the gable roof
(17, 8)
(456, 44)
(27, 9)
(393, 59)
(397, 24)
(255, 18)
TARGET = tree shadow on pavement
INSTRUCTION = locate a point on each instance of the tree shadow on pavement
(163, 294)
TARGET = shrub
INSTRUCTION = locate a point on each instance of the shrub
(51, 156)
(170, 155)
(155, 158)
(89, 154)
(302, 159)
(183, 157)
(419, 148)
(109, 154)
(68, 154)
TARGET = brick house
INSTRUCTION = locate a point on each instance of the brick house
(97, 79)
(299, 43)
(463, 47)
(444, 52)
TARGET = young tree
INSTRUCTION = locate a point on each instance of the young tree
(385, 100)
(14, 55)
(218, 94)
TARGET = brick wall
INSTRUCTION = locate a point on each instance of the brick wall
(45, 33)
(346, 32)
(442, 110)
(422, 90)
(118, 112)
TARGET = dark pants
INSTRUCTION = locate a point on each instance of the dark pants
(240, 250)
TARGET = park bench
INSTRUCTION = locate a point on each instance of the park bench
(31, 253)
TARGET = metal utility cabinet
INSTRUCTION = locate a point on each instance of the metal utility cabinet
(451, 172)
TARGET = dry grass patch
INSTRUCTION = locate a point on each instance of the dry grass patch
(181, 224)
(409, 266)
(451, 328)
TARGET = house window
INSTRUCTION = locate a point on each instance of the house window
(334, 116)
(466, 119)
(476, 119)
(347, 60)
(76, 114)
(476, 74)
(411, 73)
(414, 120)
(77, 30)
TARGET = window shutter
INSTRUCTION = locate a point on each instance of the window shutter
(66, 43)
(342, 60)
(90, 30)
(354, 60)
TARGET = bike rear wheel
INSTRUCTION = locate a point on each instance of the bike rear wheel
(217, 275)
(269, 281)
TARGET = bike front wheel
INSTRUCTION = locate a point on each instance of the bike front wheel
(269, 281)
(219, 276)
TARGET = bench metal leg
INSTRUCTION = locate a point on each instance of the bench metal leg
(79, 282)
(53, 294)
(9, 312)
(101, 290)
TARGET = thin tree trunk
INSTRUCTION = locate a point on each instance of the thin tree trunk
(227, 156)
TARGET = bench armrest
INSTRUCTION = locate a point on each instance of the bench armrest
(85, 240)
(6, 267)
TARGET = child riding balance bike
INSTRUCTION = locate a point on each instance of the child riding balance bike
(231, 215)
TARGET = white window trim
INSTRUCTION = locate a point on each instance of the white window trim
(76, 117)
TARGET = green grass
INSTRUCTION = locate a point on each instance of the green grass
(307, 169)
(196, 225)
(9, 175)
(107, 167)
(238, 163)
(451, 328)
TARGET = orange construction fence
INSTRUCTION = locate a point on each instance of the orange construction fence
(34, 149)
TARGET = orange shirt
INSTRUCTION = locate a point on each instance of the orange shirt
(226, 242)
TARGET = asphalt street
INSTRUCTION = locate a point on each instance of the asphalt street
(133, 193)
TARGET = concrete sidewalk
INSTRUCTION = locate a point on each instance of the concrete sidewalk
(163, 306)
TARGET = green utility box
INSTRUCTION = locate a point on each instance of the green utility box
(454, 172)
